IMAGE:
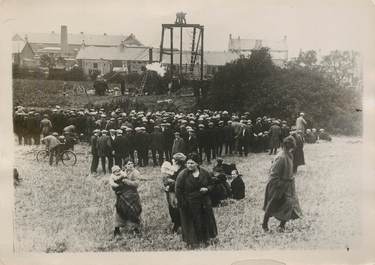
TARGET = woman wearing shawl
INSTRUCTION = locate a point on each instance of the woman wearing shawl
(281, 199)
(171, 172)
(193, 185)
(128, 204)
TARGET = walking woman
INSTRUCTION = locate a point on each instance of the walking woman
(281, 199)
(178, 161)
(193, 185)
(128, 205)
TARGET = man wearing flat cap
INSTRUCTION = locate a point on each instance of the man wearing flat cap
(103, 144)
(178, 144)
(275, 136)
(156, 145)
(301, 123)
(94, 151)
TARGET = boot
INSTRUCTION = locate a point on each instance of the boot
(116, 232)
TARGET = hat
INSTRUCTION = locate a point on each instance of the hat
(195, 157)
(177, 133)
(179, 157)
(115, 169)
(128, 129)
(96, 131)
(119, 131)
(302, 114)
(55, 134)
(104, 131)
(289, 142)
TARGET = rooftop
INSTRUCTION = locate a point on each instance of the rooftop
(79, 38)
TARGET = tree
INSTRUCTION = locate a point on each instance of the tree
(256, 85)
(47, 61)
(342, 67)
(241, 81)
(307, 59)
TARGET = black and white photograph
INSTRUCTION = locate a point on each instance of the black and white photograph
(187, 125)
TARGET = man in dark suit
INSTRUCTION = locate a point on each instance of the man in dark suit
(116, 146)
(191, 143)
(243, 141)
(275, 136)
(103, 145)
(202, 140)
(228, 132)
(94, 151)
(156, 145)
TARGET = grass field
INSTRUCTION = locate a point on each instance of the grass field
(61, 209)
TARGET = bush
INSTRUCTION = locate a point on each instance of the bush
(28, 73)
(256, 85)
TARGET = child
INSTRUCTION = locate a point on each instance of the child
(221, 189)
(237, 186)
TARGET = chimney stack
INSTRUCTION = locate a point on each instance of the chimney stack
(150, 59)
(64, 39)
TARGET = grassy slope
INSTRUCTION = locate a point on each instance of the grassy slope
(46, 93)
(62, 209)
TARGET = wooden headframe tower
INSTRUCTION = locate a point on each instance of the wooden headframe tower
(197, 44)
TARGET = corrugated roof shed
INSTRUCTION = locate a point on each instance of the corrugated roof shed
(142, 54)
(114, 53)
(77, 39)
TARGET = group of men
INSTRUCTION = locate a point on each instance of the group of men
(115, 135)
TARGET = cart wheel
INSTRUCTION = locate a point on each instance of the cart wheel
(42, 156)
(68, 158)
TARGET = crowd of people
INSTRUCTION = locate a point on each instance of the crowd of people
(115, 135)
(179, 143)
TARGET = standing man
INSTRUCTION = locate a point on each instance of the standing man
(178, 144)
(103, 143)
(45, 125)
(192, 143)
(228, 138)
(94, 151)
(275, 136)
(301, 123)
(52, 144)
(156, 145)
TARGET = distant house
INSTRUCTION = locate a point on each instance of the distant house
(107, 59)
(22, 52)
(278, 48)
(68, 44)
(212, 61)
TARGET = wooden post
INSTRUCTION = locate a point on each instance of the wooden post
(161, 45)
(202, 51)
(171, 54)
(180, 72)
(192, 52)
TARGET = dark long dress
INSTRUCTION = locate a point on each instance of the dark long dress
(281, 200)
(238, 188)
(173, 211)
(197, 218)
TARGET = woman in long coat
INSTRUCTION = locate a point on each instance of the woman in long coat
(169, 182)
(281, 200)
(193, 185)
(128, 205)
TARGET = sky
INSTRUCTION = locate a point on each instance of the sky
(319, 25)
